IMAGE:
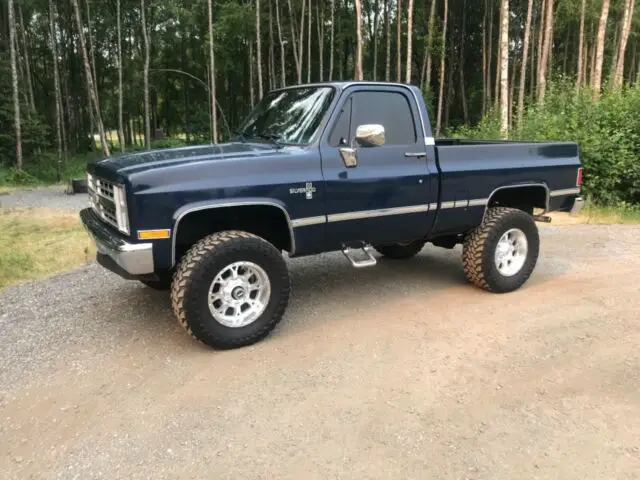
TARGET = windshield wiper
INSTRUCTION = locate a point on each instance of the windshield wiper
(272, 137)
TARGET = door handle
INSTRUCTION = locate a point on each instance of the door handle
(415, 154)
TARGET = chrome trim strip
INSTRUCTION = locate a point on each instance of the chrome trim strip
(226, 205)
(479, 202)
(566, 191)
(383, 212)
(304, 222)
(446, 205)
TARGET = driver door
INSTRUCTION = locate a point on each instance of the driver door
(385, 197)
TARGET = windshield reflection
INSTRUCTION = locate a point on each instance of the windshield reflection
(289, 116)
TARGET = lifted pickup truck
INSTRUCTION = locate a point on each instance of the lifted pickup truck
(318, 168)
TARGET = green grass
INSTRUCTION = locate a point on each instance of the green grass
(38, 242)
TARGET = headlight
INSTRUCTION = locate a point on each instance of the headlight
(122, 216)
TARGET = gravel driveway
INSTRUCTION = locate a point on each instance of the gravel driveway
(49, 197)
(402, 371)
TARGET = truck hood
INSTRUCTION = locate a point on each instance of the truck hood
(129, 163)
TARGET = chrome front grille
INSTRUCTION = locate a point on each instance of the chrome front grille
(109, 202)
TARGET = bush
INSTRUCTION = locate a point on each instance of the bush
(607, 131)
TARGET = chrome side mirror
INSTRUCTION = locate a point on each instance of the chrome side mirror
(371, 135)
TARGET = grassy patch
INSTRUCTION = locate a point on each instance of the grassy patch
(599, 215)
(38, 242)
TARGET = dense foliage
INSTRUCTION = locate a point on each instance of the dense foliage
(607, 130)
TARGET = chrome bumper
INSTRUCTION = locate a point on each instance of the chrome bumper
(132, 258)
(578, 205)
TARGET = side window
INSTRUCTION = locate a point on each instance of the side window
(341, 135)
(389, 109)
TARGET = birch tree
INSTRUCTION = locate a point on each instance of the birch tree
(599, 60)
(147, 113)
(358, 65)
(622, 47)
(120, 93)
(544, 53)
(14, 85)
(409, 40)
(399, 43)
(212, 77)
(442, 64)
(523, 66)
(580, 67)
(504, 69)
(56, 80)
(283, 68)
(258, 51)
(93, 99)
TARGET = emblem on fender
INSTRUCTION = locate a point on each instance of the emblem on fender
(308, 190)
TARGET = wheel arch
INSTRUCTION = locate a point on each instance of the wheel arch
(537, 194)
(229, 207)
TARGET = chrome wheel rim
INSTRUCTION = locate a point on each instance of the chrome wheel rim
(239, 294)
(511, 252)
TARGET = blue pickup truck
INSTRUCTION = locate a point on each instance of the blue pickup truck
(349, 167)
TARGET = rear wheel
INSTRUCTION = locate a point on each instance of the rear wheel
(400, 251)
(500, 255)
(230, 289)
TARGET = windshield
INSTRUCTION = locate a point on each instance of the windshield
(288, 116)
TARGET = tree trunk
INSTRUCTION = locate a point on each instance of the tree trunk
(309, 44)
(90, 84)
(14, 83)
(409, 41)
(599, 60)
(399, 43)
(523, 66)
(532, 63)
(92, 57)
(442, 58)
(490, 54)
(258, 51)
(498, 80)
(387, 26)
(544, 54)
(297, 47)
(376, 9)
(580, 78)
(56, 84)
(212, 78)
(320, 26)
(431, 26)
(272, 60)
(301, 39)
(283, 68)
(484, 58)
(252, 95)
(147, 113)
(25, 46)
(332, 39)
(504, 69)
(465, 108)
(541, 32)
(358, 66)
(624, 37)
(120, 86)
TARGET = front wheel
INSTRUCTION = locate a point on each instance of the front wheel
(230, 289)
(500, 254)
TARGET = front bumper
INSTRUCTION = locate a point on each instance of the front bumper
(578, 205)
(128, 260)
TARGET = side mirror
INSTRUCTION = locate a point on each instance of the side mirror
(371, 135)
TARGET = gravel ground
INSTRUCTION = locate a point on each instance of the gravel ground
(48, 197)
(400, 371)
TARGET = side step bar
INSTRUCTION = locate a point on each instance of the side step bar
(369, 261)
(542, 218)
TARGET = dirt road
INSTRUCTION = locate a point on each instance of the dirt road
(400, 372)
